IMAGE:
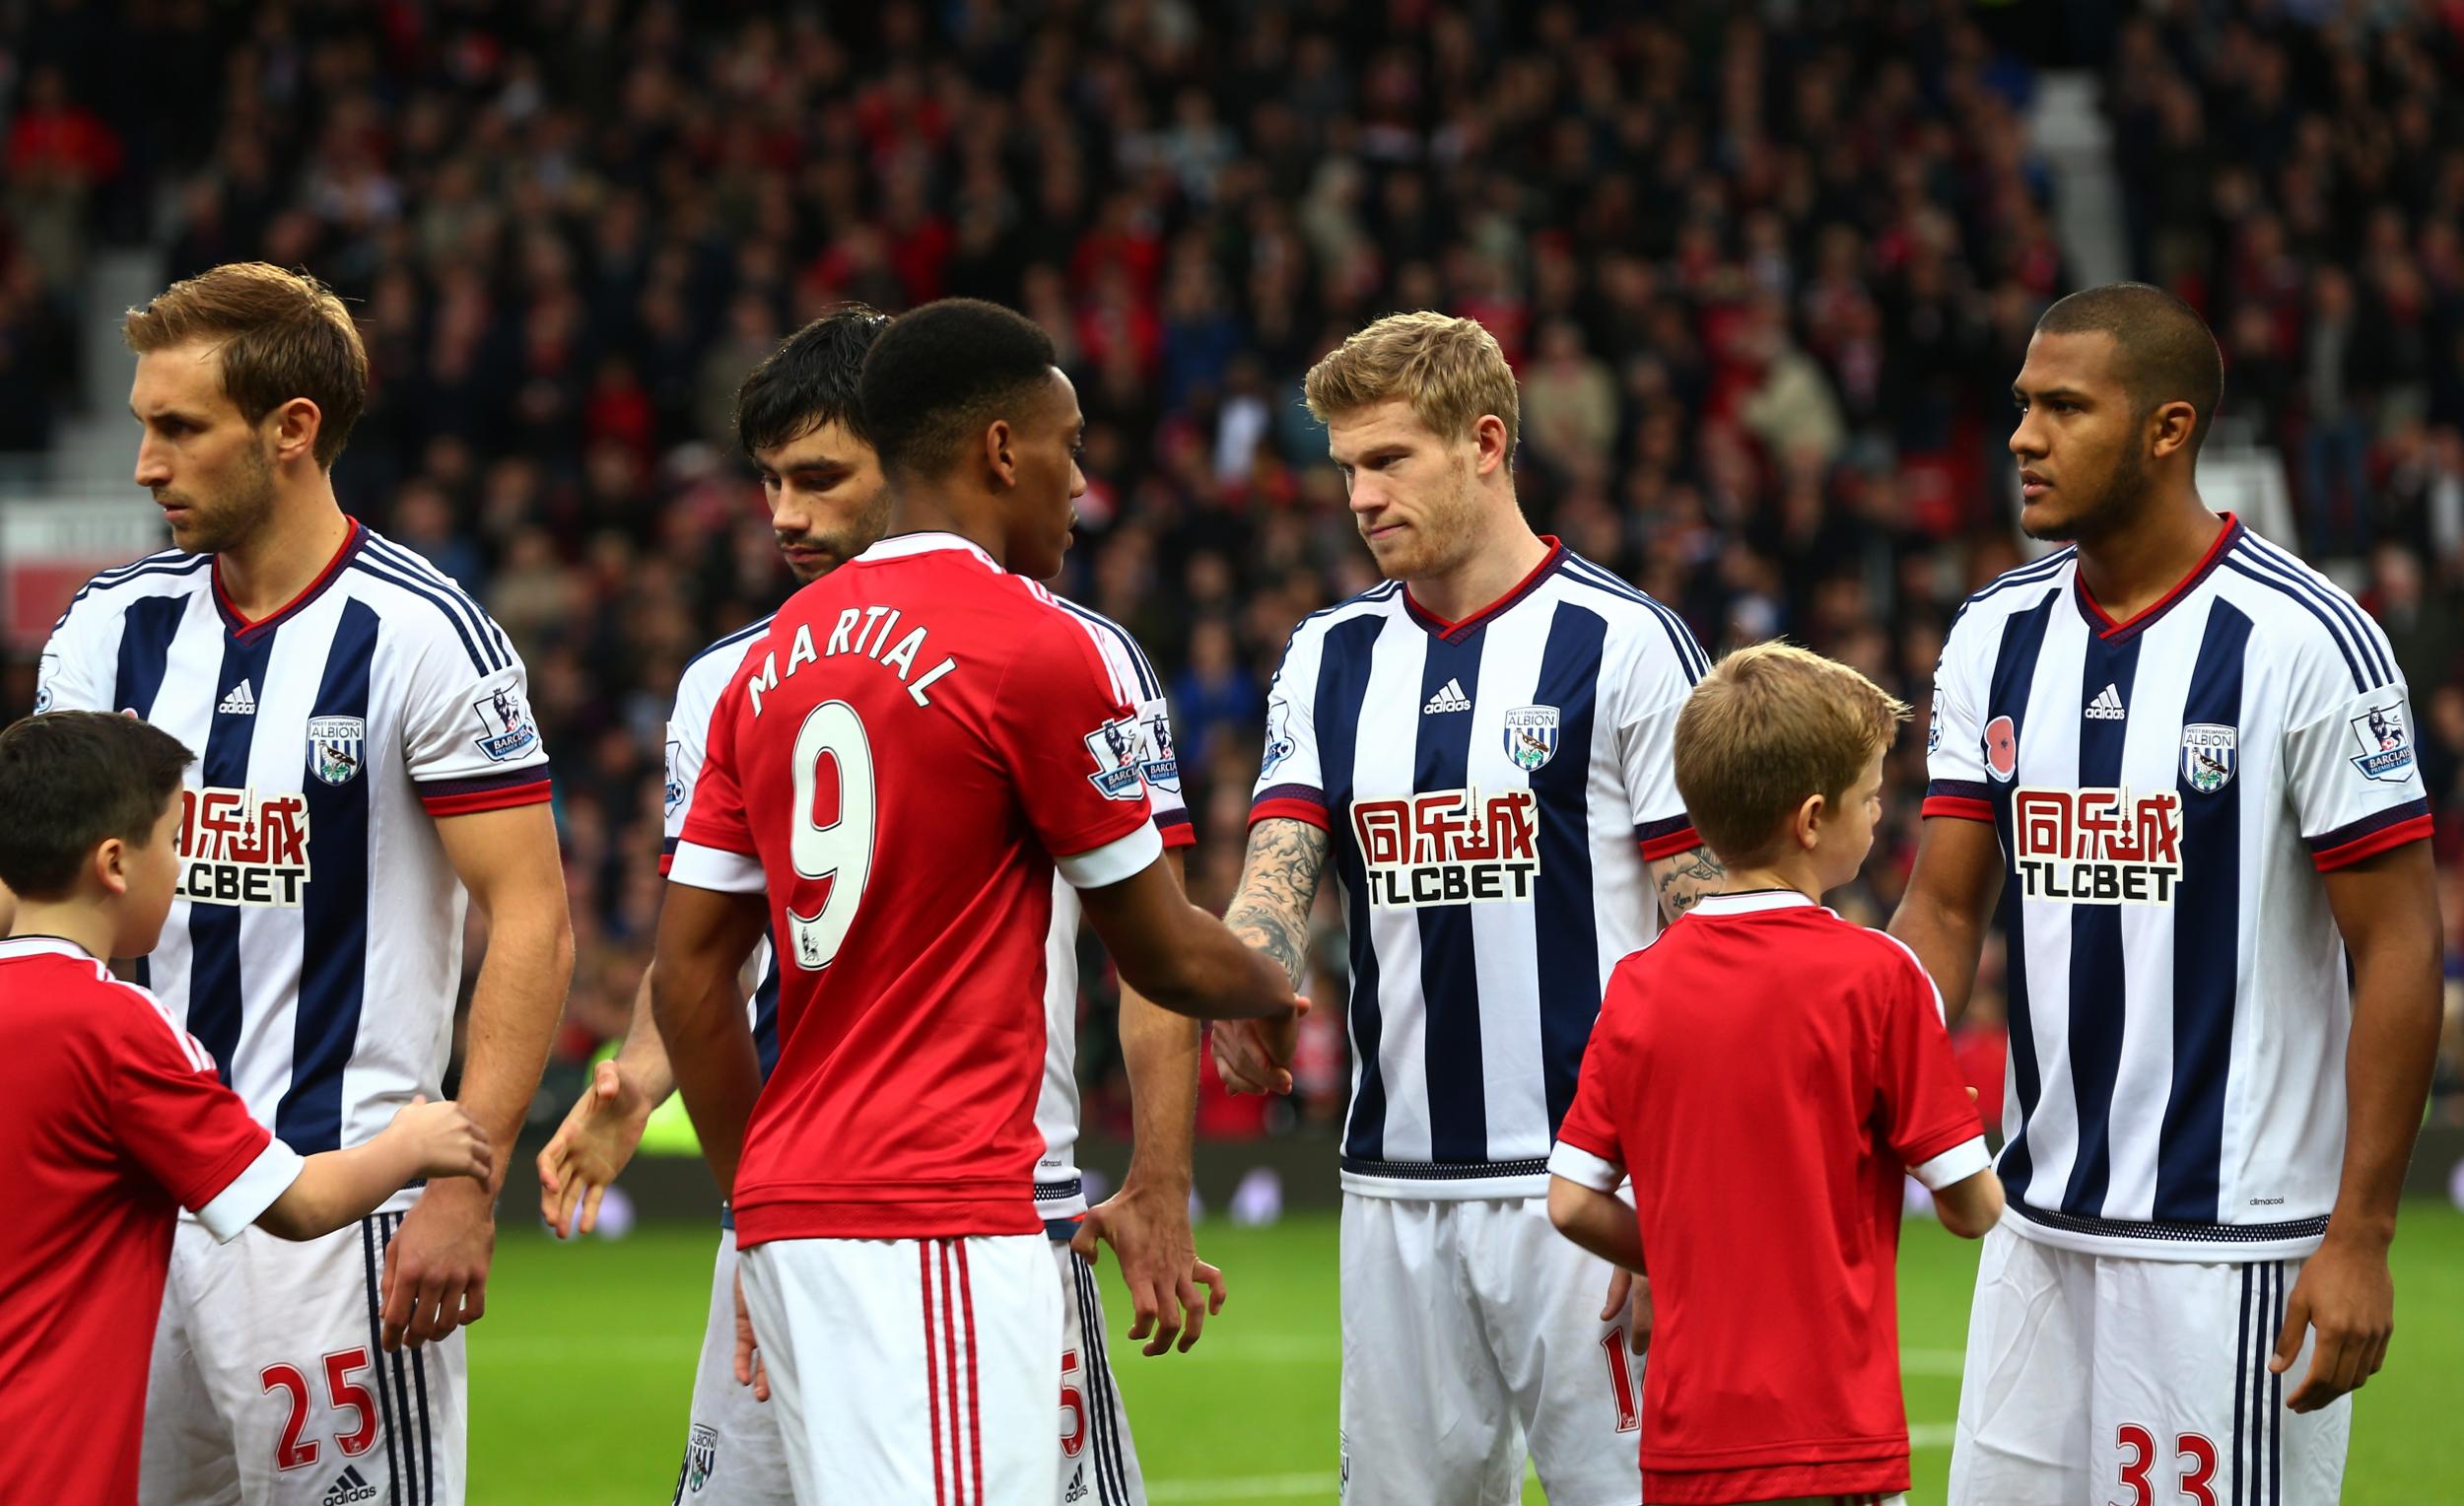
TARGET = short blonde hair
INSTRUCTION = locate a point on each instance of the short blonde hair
(280, 334)
(1769, 726)
(1449, 370)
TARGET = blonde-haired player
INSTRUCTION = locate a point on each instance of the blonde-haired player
(1480, 749)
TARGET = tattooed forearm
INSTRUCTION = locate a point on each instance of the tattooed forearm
(1685, 878)
(1279, 884)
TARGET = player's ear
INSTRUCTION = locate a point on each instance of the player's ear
(1492, 448)
(2170, 427)
(1001, 452)
(110, 865)
(295, 424)
(1804, 824)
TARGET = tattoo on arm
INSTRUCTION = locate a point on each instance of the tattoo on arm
(1279, 884)
(1685, 878)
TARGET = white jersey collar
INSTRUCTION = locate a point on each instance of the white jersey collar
(12, 947)
(900, 546)
(1752, 901)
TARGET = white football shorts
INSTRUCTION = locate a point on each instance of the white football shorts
(269, 1385)
(1470, 1330)
(911, 1372)
(2104, 1378)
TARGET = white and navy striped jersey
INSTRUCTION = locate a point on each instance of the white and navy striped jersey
(2167, 791)
(1058, 1193)
(1493, 790)
(315, 944)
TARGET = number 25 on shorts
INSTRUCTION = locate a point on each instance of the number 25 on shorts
(294, 1451)
(2194, 1465)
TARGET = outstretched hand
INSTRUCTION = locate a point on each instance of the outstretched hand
(1149, 1232)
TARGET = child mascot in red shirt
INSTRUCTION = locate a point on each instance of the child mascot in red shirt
(1764, 1074)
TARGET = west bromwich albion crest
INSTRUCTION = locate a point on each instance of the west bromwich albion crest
(2210, 752)
(337, 747)
(701, 1458)
(1532, 735)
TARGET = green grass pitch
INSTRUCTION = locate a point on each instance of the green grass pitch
(579, 1373)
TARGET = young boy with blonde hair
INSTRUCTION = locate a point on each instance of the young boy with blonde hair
(1763, 1072)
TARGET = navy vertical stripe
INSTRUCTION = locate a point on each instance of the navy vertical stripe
(2098, 985)
(214, 982)
(2207, 933)
(1112, 1477)
(1343, 685)
(1450, 1046)
(2241, 1373)
(376, 1354)
(1565, 924)
(2014, 676)
(2277, 1272)
(146, 629)
(333, 913)
(409, 1477)
(766, 1015)
(419, 1394)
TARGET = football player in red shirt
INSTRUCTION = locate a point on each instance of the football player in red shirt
(111, 1116)
(907, 755)
(1763, 1072)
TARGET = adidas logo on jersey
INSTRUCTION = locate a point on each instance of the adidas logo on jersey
(1449, 698)
(1077, 1487)
(2108, 707)
(241, 702)
(350, 1486)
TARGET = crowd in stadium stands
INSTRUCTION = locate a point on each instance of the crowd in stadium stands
(1765, 285)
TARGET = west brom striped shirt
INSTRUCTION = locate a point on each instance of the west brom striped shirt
(1058, 1193)
(315, 945)
(2167, 791)
(1493, 790)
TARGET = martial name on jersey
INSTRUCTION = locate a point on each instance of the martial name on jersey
(2167, 791)
(1494, 789)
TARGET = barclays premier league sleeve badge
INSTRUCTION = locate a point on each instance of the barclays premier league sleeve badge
(2387, 750)
(1114, 747)
(506, 728)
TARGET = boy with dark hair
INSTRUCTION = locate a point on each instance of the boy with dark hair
(111, 1114)
(1764, 1071)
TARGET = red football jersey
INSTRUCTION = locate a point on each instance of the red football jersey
(904, 758)
(1764, 1071)
(110, 1121)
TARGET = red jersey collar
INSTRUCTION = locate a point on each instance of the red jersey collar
(241, 626)
(1456, 632)
(2103, 621)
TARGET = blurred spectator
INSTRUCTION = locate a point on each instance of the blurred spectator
(1767, 272)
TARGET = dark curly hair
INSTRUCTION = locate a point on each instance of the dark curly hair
(939, 375)
(809, 380)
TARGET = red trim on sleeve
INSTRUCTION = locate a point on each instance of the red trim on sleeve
(1683, 840)
(1960, 806)
(1286, 808)
(491, 799)
(2418, 829)
(1177, 831)
(666, 861)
